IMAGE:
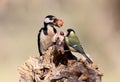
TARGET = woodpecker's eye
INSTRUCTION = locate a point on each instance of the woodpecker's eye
(51, 18)
(55, 20)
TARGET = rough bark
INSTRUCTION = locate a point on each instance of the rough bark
(58, 64)
(44, 69)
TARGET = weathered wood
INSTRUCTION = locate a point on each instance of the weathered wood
(43, 69)
(58, 66)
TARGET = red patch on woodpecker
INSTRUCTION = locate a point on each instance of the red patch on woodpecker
(61, 33)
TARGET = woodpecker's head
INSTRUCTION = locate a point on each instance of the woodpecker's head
(52, 20)
(70, 32)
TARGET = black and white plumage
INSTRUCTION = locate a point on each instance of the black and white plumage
(47, 32)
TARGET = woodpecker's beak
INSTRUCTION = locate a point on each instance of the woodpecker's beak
(59, 23)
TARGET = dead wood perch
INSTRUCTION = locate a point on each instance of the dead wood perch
(58, 66)
(43, 69)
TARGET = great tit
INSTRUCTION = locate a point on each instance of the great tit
(74, 44)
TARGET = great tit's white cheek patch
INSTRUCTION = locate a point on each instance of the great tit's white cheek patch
(47, 20)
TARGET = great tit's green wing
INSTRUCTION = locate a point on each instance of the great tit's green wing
(74, 43)
(69, 44)
(74, 39)
(79, 49)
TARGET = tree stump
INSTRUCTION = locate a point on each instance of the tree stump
(44, 69)
(58, 64)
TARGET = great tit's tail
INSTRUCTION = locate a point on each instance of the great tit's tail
(87, 58)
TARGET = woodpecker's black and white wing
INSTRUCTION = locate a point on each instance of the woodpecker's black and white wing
(39, 44)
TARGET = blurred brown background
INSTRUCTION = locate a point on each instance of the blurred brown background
(97, 23)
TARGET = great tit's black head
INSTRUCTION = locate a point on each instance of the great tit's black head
(70, 31)
(50, 19)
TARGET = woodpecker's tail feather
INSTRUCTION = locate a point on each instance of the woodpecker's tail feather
(38, 41)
